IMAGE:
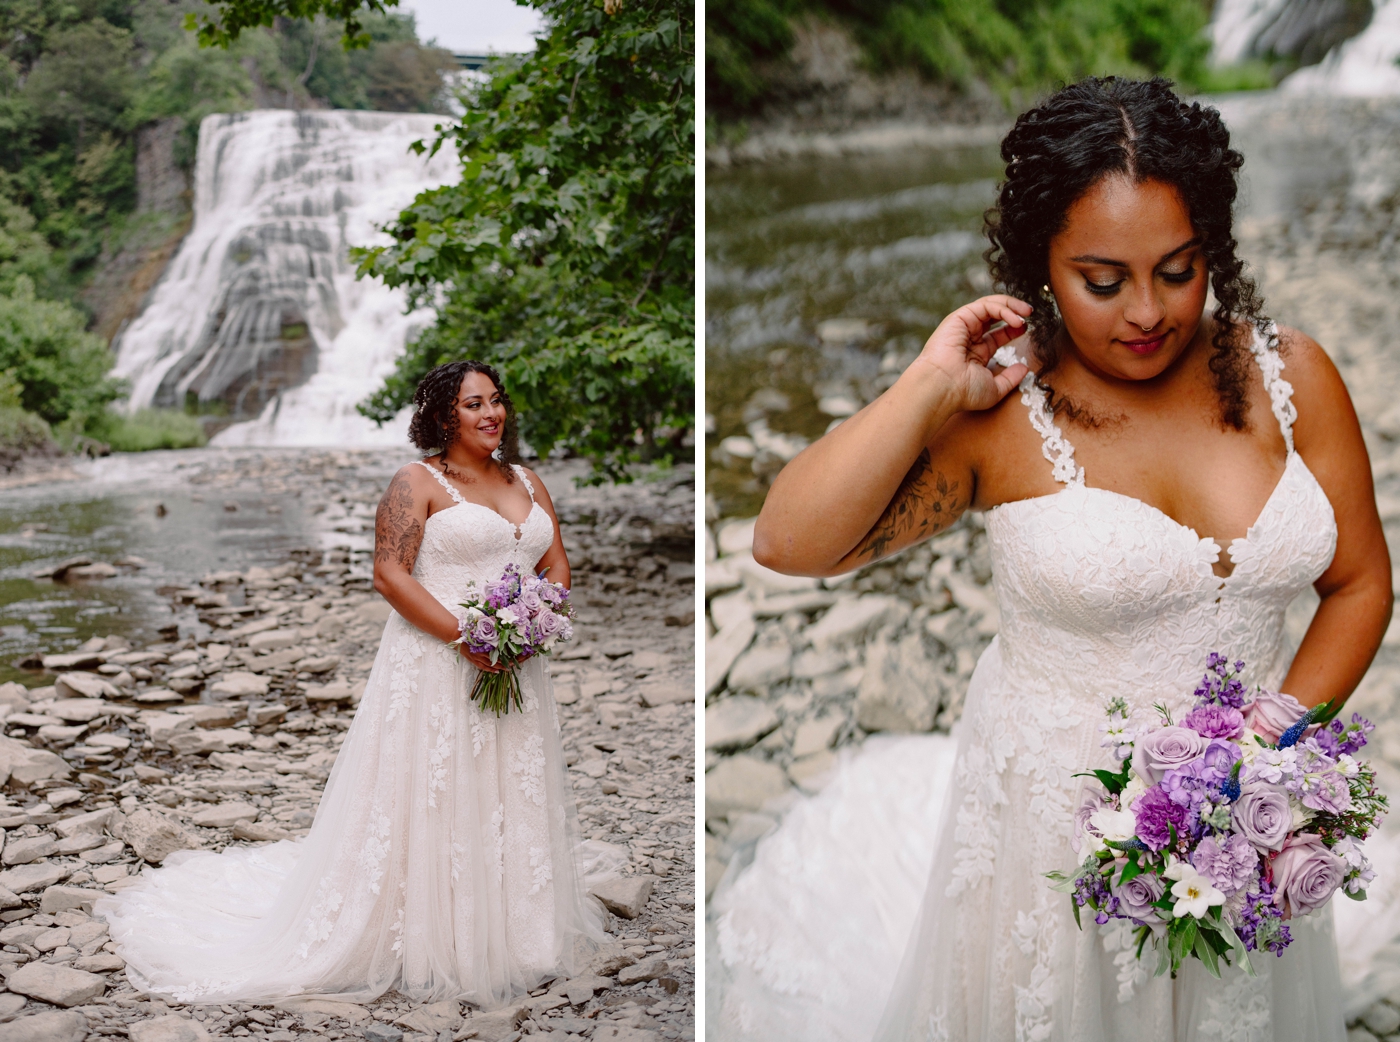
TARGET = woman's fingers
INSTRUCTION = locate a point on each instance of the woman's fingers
(1009, 378)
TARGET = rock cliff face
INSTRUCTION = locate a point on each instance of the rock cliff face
(130, 267)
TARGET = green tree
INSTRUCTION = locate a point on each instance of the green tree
(61, 369)
(565, 255)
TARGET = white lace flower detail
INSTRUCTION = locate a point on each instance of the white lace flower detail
(527, 763)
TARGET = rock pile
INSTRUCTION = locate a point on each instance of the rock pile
(225, 731)
(796, 667)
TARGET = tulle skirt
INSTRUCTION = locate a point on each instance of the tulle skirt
(908, 901)
(443, 861)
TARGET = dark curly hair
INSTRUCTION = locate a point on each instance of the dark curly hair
(1092, 129)
(434, 424)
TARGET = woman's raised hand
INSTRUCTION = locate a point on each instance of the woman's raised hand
(964, 342)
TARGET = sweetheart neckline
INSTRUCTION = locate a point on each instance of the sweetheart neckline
(517, 526)
(1246, 538)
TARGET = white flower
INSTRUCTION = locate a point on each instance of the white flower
(1273, 765)
(1193, 892)
(1301, 815)
(1348, 766)
(1116, 825)
(1249, 748)
(1135, 788)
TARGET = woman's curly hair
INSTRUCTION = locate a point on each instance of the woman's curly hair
(434, 424)
(1097, 127)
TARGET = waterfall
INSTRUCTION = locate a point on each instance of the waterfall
(1346, 48)
(259, 318)
(1364, 66)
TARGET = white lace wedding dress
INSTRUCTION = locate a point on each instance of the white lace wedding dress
(937, 847)
(442, 858)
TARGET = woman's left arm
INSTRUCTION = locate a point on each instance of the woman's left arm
(555, 559)
(1356, 588)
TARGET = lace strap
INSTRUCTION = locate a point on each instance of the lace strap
(456, 496)
(1266, 353)
(520, 471)
(1053, 444)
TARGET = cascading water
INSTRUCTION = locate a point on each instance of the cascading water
(1346, 47)
(259, 317)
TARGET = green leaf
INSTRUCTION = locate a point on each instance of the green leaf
(1207, 954)
(1131, 870)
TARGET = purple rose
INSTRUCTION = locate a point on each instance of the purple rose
(1271, 713)
(1091, 802)
(547, 627)
(1263, 817)
(1306, 873)
(1159, 751)
(482, 633)
(531, 601)
(1221, 757)
(1231, 863)
(1137, 895)
(1156, 815)
(1212, 721)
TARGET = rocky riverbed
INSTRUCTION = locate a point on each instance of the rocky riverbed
(224, 731)
(797, 669)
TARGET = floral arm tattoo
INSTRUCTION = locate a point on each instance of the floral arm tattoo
(397, 532)
(924, 504)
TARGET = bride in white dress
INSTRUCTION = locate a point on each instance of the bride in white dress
(442, 858)
(1156, 491)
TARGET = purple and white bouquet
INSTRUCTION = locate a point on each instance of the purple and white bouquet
(512, 619)
(1215, 830)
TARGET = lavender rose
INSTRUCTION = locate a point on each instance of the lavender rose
(1263, 817)
(1137, 895)
(1306, 873)
(482, 633)
(1271, 713)
(531, 601)
(1211, 721)
(1156, 815)
(1159, 751)
(1230, 863)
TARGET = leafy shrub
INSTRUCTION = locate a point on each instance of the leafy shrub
(60, 368)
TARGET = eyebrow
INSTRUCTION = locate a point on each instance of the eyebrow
(1091, 259)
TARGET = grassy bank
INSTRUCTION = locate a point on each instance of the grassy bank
(1015, 49)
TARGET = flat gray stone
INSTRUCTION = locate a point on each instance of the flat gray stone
(850, 618)
(224, 815)
(273, 640)
(56, 984)
(25, 765)
(24, 879)
(240, 684)
(623, 1033)
(22, 850)
(665, 692)
(84, 685)
(167, 1029)
(94, 821)
(761, 666)
(625, 896)
(63, 898)
(66, 1025)
(492, 1027)
(433, 1018)
(83, 710)
(742, 783)
(647, 969)
(736, 721)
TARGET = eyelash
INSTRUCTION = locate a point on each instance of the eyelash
(1177, 278)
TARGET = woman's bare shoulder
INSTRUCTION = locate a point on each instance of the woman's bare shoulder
(1319, 393)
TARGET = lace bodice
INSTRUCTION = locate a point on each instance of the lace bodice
(1087, 577)
(469, 542)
